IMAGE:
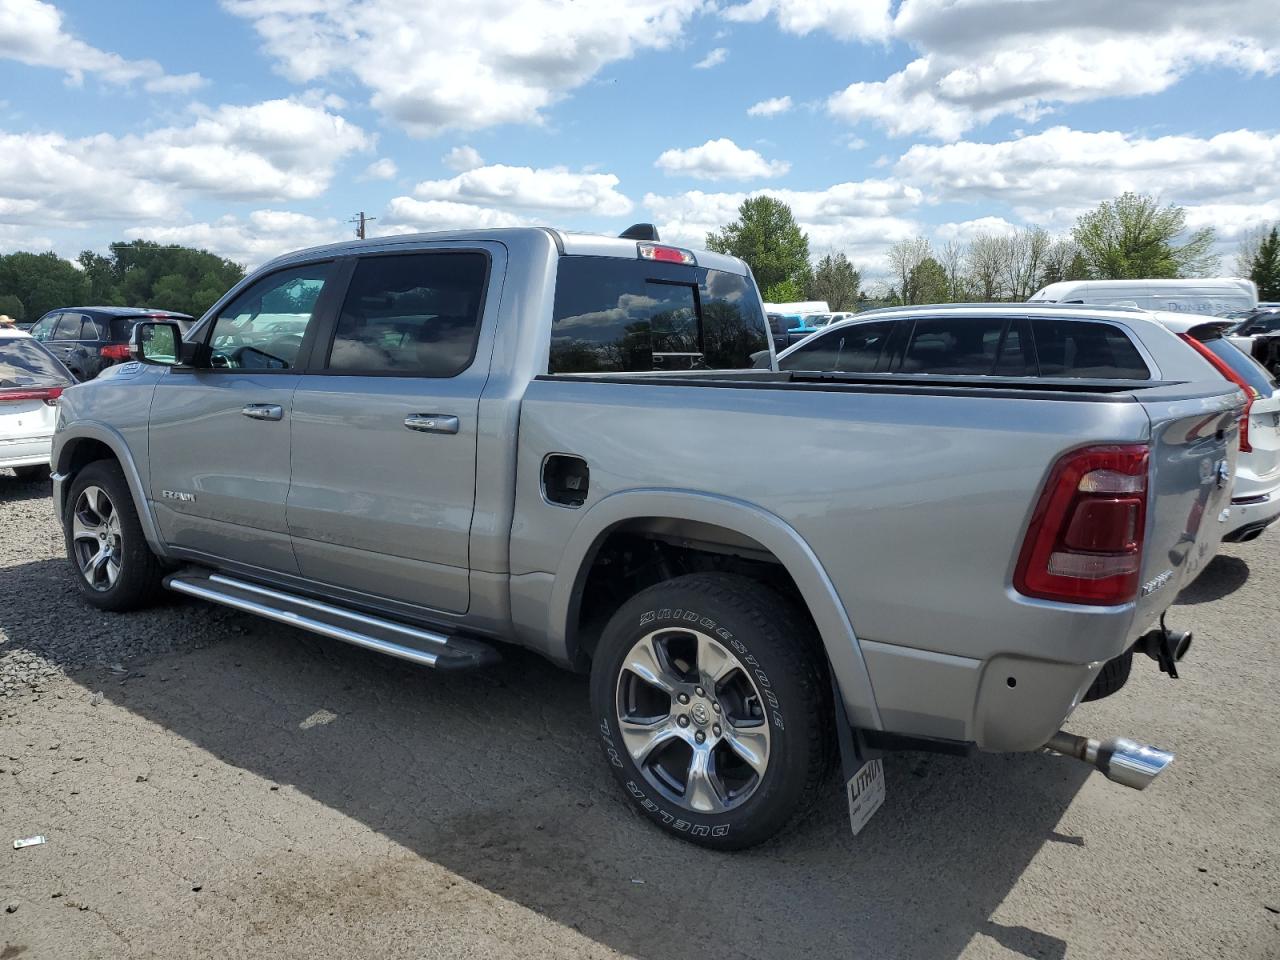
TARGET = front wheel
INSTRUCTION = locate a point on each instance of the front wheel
(714, 709)
(114, 567)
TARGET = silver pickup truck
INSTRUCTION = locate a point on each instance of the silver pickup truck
(433, 446)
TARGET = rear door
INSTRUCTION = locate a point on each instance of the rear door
(219, 436)
(385, 428)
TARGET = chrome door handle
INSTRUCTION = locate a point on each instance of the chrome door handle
(432, 423)
(264, 411)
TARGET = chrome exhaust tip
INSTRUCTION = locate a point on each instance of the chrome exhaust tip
(1118, 758)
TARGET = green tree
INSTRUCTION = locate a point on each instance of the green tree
(1265, 270)
(144, 273)
(42, 281)
(768, 238)
(1133, 237)
(836, 281)
(12, 307)
(926, 283)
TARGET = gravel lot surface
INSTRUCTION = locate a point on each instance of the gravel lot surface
(215, 785)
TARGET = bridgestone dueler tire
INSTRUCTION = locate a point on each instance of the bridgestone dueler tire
(141, 573)
(770, 638)
(1111, 678)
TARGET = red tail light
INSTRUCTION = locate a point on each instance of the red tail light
(1084, 544)
(116, 351)
(49, 395)
(652, 251)
(1225, 369)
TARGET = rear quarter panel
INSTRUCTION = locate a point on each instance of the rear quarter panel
(915, 506)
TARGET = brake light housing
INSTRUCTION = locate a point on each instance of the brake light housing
(115, 351)
(664, 254)
(1225, 369)
(1084, 542)
(49, 395)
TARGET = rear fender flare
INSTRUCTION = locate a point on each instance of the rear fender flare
(776, 535)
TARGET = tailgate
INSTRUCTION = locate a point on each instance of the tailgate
(1195, 439)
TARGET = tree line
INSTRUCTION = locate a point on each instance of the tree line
(139, 273)
(1130, 237)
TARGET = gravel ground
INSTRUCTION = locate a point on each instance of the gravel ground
(211, 784)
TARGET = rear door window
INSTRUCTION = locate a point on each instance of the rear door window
(856, 348)
(413, 315)
(633, 316)
(955, 346)
(1086, 349)
(69, 327)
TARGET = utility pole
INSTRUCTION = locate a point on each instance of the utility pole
(360, 222)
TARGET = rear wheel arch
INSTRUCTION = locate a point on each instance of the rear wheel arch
(702, 524)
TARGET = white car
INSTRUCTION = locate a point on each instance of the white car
(31, 381)
(1255, 501)
(1015, 341)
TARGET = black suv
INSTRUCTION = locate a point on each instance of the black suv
(90, 339)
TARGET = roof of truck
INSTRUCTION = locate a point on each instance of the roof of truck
(567, 243)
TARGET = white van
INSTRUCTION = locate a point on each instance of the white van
(1213, 296)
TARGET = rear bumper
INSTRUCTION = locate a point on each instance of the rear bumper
(1251, 514)
(26, 452)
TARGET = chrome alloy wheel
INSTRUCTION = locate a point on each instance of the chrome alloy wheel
(692, 719)
(95, 538)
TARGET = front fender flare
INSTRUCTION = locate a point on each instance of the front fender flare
(769, 530)
(65, 442)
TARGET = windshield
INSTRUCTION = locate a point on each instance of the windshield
(24, 363)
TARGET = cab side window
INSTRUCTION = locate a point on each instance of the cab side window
(411, 315)
(263, 328)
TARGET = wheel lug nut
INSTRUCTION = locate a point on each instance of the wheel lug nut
(700, 692)
(682, 720)
(715, 707)
(716, 729)
(700, 736)
(683, 697)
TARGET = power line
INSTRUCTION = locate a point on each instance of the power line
(360, 221)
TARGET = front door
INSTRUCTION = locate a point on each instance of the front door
(219, 435)
(384, 433)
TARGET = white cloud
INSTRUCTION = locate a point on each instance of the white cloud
(713, 59)
(769, 108)
(462, 159)
(383, 168)
(719, 160)
(555, 190)
(264, 234)
(405, 214)
(846, 19)
(981, 59)
(1052, 177)
(860, 218)
(276, 150)
(433, 66)
(965, 230)
(31, 32)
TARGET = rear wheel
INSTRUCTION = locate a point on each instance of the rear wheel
(114, 567)
(714, 708)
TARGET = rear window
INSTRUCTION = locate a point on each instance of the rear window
(1245, 366)
(1080, 348)
(24, 363)
(635, 316)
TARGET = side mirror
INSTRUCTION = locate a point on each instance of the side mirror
(157, 342)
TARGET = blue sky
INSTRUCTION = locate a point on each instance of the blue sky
(252, 127)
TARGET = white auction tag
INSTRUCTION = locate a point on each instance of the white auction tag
(866, 794)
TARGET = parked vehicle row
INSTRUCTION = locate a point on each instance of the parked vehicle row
(476, 439)
(90, 339)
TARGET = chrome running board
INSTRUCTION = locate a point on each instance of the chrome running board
(424, 647)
